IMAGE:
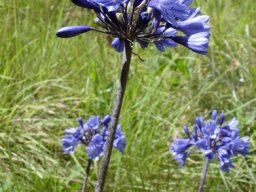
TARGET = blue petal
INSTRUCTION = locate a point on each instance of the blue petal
(181, 158)
(171, 10)
(225, 140)
(119, 143)
(95, 148)
(68, 144)
(119, 132)
(168, 42)
(214, 114)
(222, 118)
(78, 134)
(203, 144)
(209, 128)
(81, 122)
(143, 19)
(194, 25)
(86, 4)
(186, 2)
(226, 165)
(180, 145)
(93, 122)
(106, 120)
(143, 44)
(233, 124)
(164, 42)
(186, 131)
(118, 44)
(240, 146)
(159, 30)
(170, 32)
(199, 122)
(70, 131)
(225, 161)
(111, 5)
(231, 130)
(72, 31)
(197, 42)
(159, 46)
(209, 154)
(154, 4)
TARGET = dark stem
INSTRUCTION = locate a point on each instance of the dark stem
(127, 54)
(203, 176)
(87, 172)
(140, 58)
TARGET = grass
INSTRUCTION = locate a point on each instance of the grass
(46, 83)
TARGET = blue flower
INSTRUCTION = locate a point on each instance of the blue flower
(239, 146)
(213, 139)
(197, 42)
(181, 158)
(225, 162)
(93, 123)
(71, 139)
(72, 31)
(106, 120)
(118, 44)
(119, 141)
(194, 24)
(95, 148)
(88, 4)
(180, 145)
(144, 21)
(69, 144)
(171, 10)
(93, 135)
(178, 149)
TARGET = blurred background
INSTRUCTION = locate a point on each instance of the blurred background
(47, 82)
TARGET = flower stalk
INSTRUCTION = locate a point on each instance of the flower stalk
(203, 176)
(127, 53)
(87, 173)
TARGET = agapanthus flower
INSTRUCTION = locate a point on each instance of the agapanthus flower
(91, 134)
(213, 138)
(146, 21)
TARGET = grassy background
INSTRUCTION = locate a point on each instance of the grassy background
(46, 83)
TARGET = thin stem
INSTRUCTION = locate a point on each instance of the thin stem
(127, 54)
(140, 58)
(87, 172)
(203, 176)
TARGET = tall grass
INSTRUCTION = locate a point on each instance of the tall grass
(46, 83)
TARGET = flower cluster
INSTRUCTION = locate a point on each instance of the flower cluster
(212, 138)
(90, 135)
(145, 21)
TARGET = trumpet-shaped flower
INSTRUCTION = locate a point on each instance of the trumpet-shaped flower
(146, 21)
(213, 138)
(90, 135)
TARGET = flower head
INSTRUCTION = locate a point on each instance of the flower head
(146, 21)
(213, 138)
(90, 135)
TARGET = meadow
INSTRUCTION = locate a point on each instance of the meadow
(46, 83)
